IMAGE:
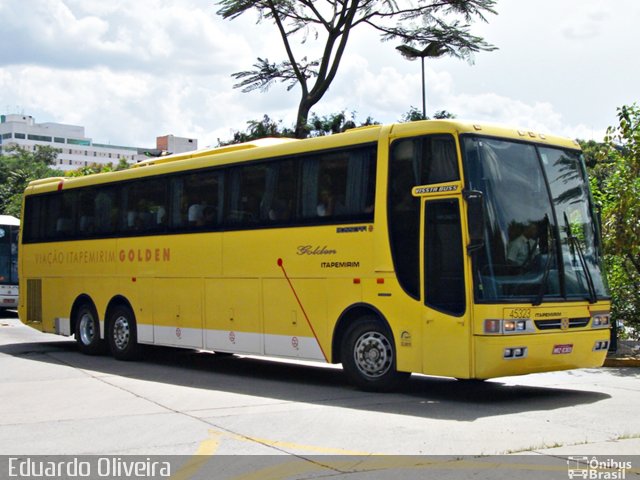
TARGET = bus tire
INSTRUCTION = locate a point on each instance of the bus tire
(369, 356)
(122, 334)
(87, 331)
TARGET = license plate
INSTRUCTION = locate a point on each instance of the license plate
(562, 349)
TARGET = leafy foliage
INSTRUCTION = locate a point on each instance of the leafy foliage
(22, 166)
(414, 115)
(615, 180)
(443, 23)
(256, 129)
(316, 127)
(19, 168)
(98, 168)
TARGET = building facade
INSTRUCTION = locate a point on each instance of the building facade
(173, 144)
(75, 149)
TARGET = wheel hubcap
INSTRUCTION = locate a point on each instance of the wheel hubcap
(87, 330)
(121, 333)
(373, 354)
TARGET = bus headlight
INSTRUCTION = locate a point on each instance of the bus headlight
(600, 320)
(515, 326)
(508, 327)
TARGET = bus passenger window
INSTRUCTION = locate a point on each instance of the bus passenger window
(61, 212)
(145, 205)
(339, 185)
(196, 199)
(443, 257)
(246, 191)
(404, 215)
(439, 159)
(105, 209)
(276, 206)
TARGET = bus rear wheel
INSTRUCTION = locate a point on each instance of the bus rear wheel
(122, 334)
(87, 331)
(369, 357)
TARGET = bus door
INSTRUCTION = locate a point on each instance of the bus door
(446, 315)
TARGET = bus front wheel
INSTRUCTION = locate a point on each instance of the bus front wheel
(87, 331)
(369, 357)
(122, 333)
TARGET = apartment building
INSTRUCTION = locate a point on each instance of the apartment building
(76, 150)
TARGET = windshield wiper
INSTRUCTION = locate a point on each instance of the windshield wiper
(576, 244)
(547, 267)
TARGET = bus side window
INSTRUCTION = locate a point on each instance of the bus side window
(439, 160)
(105, 208)
(61, 214)
(404, 213)
(145, 205)
(196, 199)
(443, 258)
(86, 211)
(277, 204)
(247, 188)
(339, 185)
(34, 226)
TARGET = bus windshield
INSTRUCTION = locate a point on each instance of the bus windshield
(540, 234)
(8, 255)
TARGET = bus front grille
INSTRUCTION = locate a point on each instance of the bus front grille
(34, 300)
(556, 324)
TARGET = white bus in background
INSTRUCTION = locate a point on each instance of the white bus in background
(9, 227)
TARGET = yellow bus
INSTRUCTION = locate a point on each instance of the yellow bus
(437, 247)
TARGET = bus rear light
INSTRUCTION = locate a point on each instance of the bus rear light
(514, 352)
(600, 320)
(601, 345)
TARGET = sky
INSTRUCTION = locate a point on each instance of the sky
(131, 71)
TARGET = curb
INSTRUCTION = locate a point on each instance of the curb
(622, 362)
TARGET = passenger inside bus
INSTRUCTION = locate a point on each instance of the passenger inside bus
(326, 203)
(523, 247)
(195, 214)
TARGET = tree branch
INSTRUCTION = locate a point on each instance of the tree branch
(287, 46)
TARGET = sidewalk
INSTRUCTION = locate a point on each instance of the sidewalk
(627, 355)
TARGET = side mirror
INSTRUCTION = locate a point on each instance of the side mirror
(475, 219)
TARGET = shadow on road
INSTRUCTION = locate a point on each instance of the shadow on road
(421, 396)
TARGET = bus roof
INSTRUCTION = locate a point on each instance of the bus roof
(266, 147)
(261, 142)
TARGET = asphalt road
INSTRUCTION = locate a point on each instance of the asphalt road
(56, 401)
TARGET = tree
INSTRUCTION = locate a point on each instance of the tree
(258, 129)
(317, 127)
(616, 186)
(19, 168)
(335, 123)
(414, 115)
(444, 22)
(98, 168)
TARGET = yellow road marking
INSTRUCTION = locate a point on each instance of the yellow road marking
(206, 449)
(294, 467)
